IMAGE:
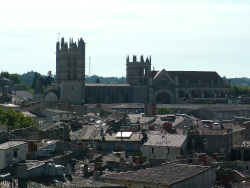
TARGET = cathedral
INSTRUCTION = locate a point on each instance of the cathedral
(142, 84)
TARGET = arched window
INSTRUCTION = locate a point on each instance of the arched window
(74, 74)
(69, 75)
(74, 62)
(69, 62)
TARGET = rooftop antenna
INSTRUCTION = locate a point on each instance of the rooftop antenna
(89, 65)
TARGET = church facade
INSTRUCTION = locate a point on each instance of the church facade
(143, 84)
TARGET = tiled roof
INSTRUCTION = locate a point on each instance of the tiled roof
(195, 76)
(110, 157)
(155, 138)
(135, 137)
(103, 84)
(88, 132)
(11, 144)
(46, 143)
(166, 174)
(245, 144)
(26, 113)
(60, 182)
(116, 117)
(31, 164)
(221, 108)
(45, 127)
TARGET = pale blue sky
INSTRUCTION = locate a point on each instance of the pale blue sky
(207, 35)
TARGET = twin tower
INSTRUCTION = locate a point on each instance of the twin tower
(70, 71)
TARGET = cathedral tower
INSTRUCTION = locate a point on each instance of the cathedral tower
(70, 70)
(138, 72)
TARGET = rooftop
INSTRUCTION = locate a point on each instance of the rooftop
(166, 174)
(155, 138)
(11, 144)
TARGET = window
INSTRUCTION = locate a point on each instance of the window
(15, 153)
(74, 62)
(152, 150)
(69, 75)
(74, 74)
(69, 62)
(168, 151)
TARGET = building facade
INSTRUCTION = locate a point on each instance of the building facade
(70, 70)
(143, 84)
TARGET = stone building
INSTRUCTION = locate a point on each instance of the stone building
(70, 70)
(143, 84)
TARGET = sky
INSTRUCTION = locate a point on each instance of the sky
(180, 35)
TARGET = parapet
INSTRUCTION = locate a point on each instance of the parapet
(71, 46)
(148, 59)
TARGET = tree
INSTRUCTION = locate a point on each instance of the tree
(161, 111)
(48, 80)
(97, 80)
(15, 120)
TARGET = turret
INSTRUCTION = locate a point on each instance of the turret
(138, 72)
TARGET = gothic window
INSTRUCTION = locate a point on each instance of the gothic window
(74, 74)
(74, 62)
(69, 75)
(163, 98)
(69, 62)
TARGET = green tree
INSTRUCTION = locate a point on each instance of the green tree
(97, 80)
(48, 80)
(15, 120)
(161, 111)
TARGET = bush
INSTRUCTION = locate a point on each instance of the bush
(161, 111)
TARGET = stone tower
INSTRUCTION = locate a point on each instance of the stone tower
(138, 72)
(70, 70)
(139, 77)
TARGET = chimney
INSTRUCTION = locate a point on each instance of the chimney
(137, 160)
(225, 179)
(85, 169)
(32, 146)
(202, 158)
(130, 158)
(96, 175)
(122, 155)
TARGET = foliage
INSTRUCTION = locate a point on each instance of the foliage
(93, 79)
(15, 120)
(44, 80)
(97, 80)
(238, 81)
(161, 111)
(48, 80)
(201, 101)
(141, 158)
(13, 77)
(238, 90)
